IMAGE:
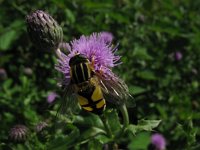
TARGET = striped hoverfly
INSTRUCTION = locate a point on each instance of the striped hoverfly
(91, 89)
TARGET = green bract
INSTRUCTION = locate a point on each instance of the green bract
(43, 30)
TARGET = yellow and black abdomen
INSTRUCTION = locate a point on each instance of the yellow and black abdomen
(92, 100)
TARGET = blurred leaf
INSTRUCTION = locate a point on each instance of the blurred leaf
(10, 34)
(136, 90)
(119, 17)
(7, 38)
(148, 75)
(97, 5)
(140, 142)
(70, 16)
(95, 145)
(141, 53)
(103, 138)
(63, 142)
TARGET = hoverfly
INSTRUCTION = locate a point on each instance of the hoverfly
(92, 89)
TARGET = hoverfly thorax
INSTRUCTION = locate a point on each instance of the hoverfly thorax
(80, 70)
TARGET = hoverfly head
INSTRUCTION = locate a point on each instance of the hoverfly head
(77, 59)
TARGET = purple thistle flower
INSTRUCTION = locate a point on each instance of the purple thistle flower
(178, 55)
(18, 133)
(51, 97)
(107, 37)
(97, 48)
(158, 141)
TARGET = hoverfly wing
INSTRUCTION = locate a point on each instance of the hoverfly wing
(115, 90)
(69, 102)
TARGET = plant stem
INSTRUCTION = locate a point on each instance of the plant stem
(125, 116)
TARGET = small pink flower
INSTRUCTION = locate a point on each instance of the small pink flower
(158, 141)
(178, 55)
(51, 97)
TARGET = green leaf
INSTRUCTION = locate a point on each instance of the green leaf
(10, 34)
(6, 39)
(88, 120)
(90, 133)
(113, 121)
(148, 125)
(70, 15)
(103, 138)
(61, 117)
(136, 90)
(143, 125)
(141, 53)
(148, 75)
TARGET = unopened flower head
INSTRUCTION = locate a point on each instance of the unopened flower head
(158, 141)
(40, 126)
(18, 133)
(44, 30)
(97, 47)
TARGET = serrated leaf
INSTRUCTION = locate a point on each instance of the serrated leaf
(143, 125)
(148, 125)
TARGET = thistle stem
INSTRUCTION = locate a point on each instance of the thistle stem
(125, 116)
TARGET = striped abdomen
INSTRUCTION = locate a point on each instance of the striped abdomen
(92, 100)
(80, 73)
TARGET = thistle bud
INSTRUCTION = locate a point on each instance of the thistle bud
(40, 126)
(43, 30)
(18, 133)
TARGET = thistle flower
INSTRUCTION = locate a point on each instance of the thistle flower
(97, 47)
(43, 30)
(18, 133)
(51, 97)
(40, 126)
(158, 141)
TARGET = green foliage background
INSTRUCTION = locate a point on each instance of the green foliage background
(149, 33)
